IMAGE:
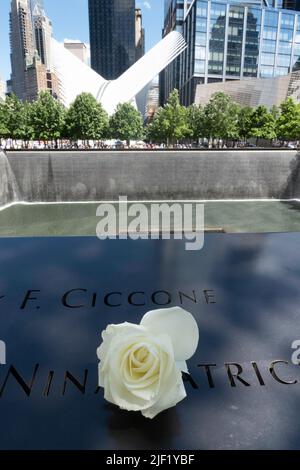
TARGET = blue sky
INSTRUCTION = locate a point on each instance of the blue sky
(70, 21)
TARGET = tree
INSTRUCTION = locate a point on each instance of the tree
(18, 118)
(4, 129)
(288, 122)
(156, 131)
(126, 123)
(221, 117)
(47, 117)
(244, 124)
(170, 122)
(195, 121)
(86, 119)
(263, 124)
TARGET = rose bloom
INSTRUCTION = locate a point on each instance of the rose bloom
(141, 366)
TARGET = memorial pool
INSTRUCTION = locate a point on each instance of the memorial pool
(79, 219)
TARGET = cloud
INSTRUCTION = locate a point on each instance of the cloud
(147, 5)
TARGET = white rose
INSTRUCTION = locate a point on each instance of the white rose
(140, 365)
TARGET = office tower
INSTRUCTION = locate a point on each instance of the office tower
(139, 34)
(112, 36)
(30, 34)
(37, 7)
(230, 40)
(42, 27)
(22, 44)
(79, 49)
(174, 12)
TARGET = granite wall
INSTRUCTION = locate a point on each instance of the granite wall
(83, 176)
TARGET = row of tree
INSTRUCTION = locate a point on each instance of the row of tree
(47, 119)
(223, 119)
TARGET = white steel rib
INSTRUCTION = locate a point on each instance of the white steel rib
(75, 77)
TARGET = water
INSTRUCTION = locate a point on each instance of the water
(79, 219)
(9, 191)
(95, 176)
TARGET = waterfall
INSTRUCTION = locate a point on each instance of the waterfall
(9, 191)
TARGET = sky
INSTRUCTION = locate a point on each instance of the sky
(70, 21)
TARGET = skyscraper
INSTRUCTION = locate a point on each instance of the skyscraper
(22, 44)
(229, 40)
(37, 7)
(112, 36)
(139, 34)
(42, 28)
(173, 21)
(30, 37)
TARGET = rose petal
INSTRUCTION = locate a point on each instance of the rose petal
(171, 394)
(182, 365)
(179, 324)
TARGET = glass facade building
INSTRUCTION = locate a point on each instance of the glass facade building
(170, 77)
(112, 36)
(231, 40)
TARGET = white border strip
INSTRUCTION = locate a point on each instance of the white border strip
(150, 201)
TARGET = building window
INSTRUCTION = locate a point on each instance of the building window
(283, 60)
(217, 39)
(287, 20)
(201, 24)
(268, 46)
(199, 67)
(266, 71)
(200, 39)
(200, 53)
(285, 48)
(281, 71)
(252, 43)
(235, 40)
(271, 18)
(270, 33)
(202, 9)
(286, 35)
(267, 59)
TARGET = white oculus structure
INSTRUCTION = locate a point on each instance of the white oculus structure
(75, 77)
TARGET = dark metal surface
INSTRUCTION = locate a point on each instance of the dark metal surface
(255, 282)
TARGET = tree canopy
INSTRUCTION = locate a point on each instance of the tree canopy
(47, 117)
(171, 121)
(86, 119)
(126, 123)
(288, 122)
(221, 118)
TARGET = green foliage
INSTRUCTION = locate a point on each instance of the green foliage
(288, 122)
(263, 124)
(47, 117)
(170, 122)
(4, 125)
(156, 131)
(17, 117)
(221, 117)
(86, 119)
(196, 121)
(244, 124)
(126, 123)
